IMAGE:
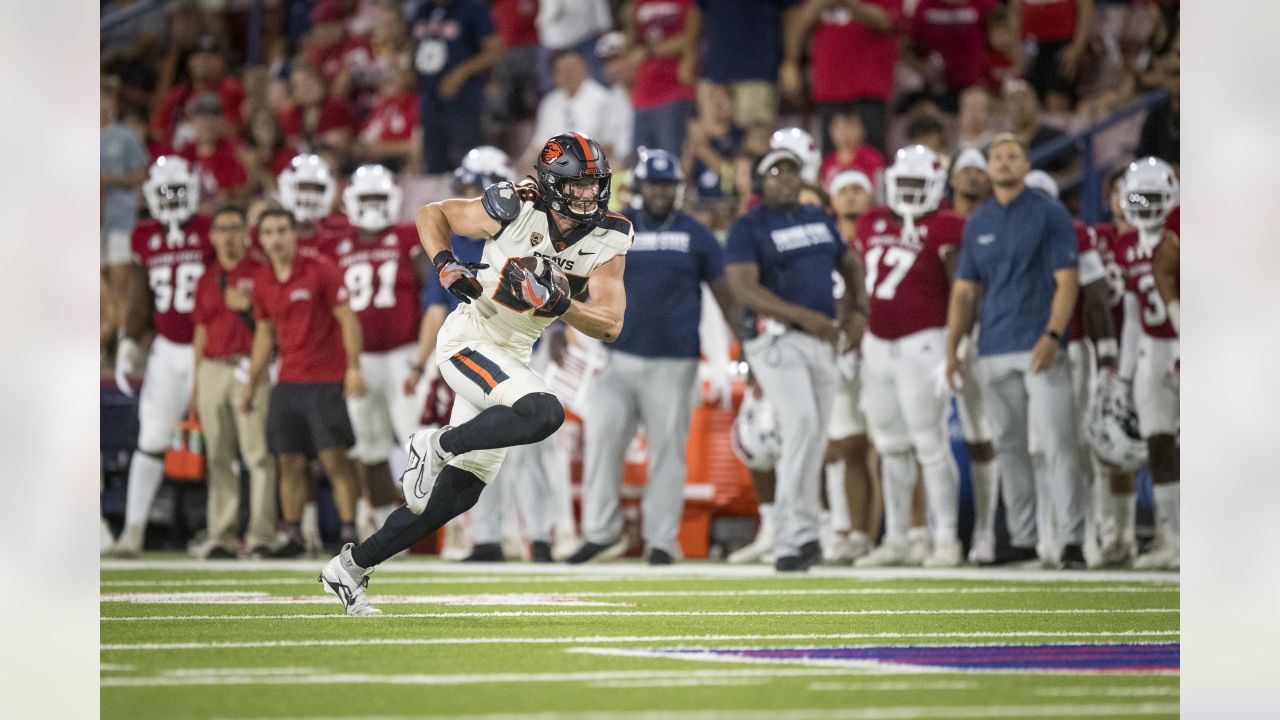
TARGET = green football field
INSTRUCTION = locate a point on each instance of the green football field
(258, 640)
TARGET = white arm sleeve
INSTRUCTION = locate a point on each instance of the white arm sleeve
(1129, 337)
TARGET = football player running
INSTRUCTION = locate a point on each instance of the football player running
(1148, 193)
(549, 245)
(911, 249)
(170, 252)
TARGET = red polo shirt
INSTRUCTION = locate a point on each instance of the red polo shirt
(851, 61)
(226, 331)
(1049, 19)
(301, 308)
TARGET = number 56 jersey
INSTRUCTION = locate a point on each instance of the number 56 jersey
(907, 283)
(499, 316)
(174, 262)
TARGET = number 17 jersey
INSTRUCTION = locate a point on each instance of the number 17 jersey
(907, 283)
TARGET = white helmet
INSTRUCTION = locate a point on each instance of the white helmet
(754, 437)
(172, 190)
(372, 200)
(914, 183)
(1112, 429)
(488, 160)
(1042, 181)
(1148, 191)
(802, 145)
(307, 188)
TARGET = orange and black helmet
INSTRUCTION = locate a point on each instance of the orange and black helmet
(569, 157)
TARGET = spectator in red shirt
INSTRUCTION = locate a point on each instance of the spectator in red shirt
(213, 157)
(1059, 29)
(516, 74)
(1004, 50)
(332, 51)
(300, 304)
(954, 34)
(264, 153)
(315, 118)
(392, 136)
(223, 338)
(850, 151)
(661, 37)
(207, 72)
(852, 55)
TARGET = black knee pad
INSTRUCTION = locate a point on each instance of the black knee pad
(543, 411)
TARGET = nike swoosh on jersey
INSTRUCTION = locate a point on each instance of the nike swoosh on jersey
(583, 252)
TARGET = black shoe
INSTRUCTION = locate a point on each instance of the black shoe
(1011, 554)
(291, 549)
(790, 563)
(485, 552)
(660, 557)
(217, 552)
(810, 554)
(588, 552)
(541, 551)
(1073, 558)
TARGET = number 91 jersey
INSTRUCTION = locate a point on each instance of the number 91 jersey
(907, 284)
(378, 273)
(173, 263)
(498, 315)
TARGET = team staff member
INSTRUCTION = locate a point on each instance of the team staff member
(652, 371)
(1020, 248)
(780, 259)
(300, 303)
(223, 339)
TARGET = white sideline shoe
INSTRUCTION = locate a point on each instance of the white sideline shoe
(917, 546)
(983, 549)
(129, 545)
(1164, 556)
(946, 554)
(426, 460)
(761, 546)
(346, 581)
(849, 548)
(889, 554)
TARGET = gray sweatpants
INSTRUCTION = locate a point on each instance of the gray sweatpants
(524, 486)
(798, 375)
(1016, 400)
(631, 390)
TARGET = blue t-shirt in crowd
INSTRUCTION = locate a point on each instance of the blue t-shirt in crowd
(743, 39)
(466, 249)
(665, 268)
(796, 253)
(1013, 251)
(444, 37)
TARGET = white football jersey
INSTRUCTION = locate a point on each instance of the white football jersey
(501, 317)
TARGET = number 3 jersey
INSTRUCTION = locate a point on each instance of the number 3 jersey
(174, 262)
(378, 271)
(907, 283)
(1135, 257)
(501, 317)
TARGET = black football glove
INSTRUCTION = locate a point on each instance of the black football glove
(457, 277)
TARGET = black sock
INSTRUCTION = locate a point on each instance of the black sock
(455, 492)
(530, 419)
(347, 533)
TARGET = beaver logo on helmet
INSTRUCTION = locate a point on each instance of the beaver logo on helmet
(573, 177)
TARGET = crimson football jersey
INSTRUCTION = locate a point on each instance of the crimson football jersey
(1086, 242)
(1173, 223)
(378, 273)
(1105, 235)
(174, 264)
(907, 283)
(1136, 261)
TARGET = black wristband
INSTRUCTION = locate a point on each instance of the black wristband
(1057, 336)
(442, 257)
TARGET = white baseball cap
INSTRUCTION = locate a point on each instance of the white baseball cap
(1042, 181)
(969, 157)
(846, 178)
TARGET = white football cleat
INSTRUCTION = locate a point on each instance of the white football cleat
(129, 545)
(849, 548)
(426, 460)
(889, 554)
(917, 546)
(946, 554)
(1164, 555)
(982, 549)
(756, 551)
(347, 581)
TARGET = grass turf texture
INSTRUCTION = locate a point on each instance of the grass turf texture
(226, 656)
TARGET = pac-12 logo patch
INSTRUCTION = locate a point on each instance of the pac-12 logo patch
(551, 152)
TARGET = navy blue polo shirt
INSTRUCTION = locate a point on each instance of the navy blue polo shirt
(444, 37)
(666, 266)
(796, 253)
(743, 39)
(466, 249)
(1013, 251)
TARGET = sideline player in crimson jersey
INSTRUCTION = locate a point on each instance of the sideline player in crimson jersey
(170, 252)
(383, 267)
(1148, 192)
(1165, 262)
(911, 249)
(307, 189)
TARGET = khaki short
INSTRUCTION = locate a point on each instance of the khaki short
(754, 101)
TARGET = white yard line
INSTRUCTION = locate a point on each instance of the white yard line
(601, 639)
(637, 571)
(1143, 691)
(214, 596)
(654, 613)
(261, 598)
(675, 682)
(900, 712)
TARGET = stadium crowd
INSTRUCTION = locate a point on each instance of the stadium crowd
(858, 199)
